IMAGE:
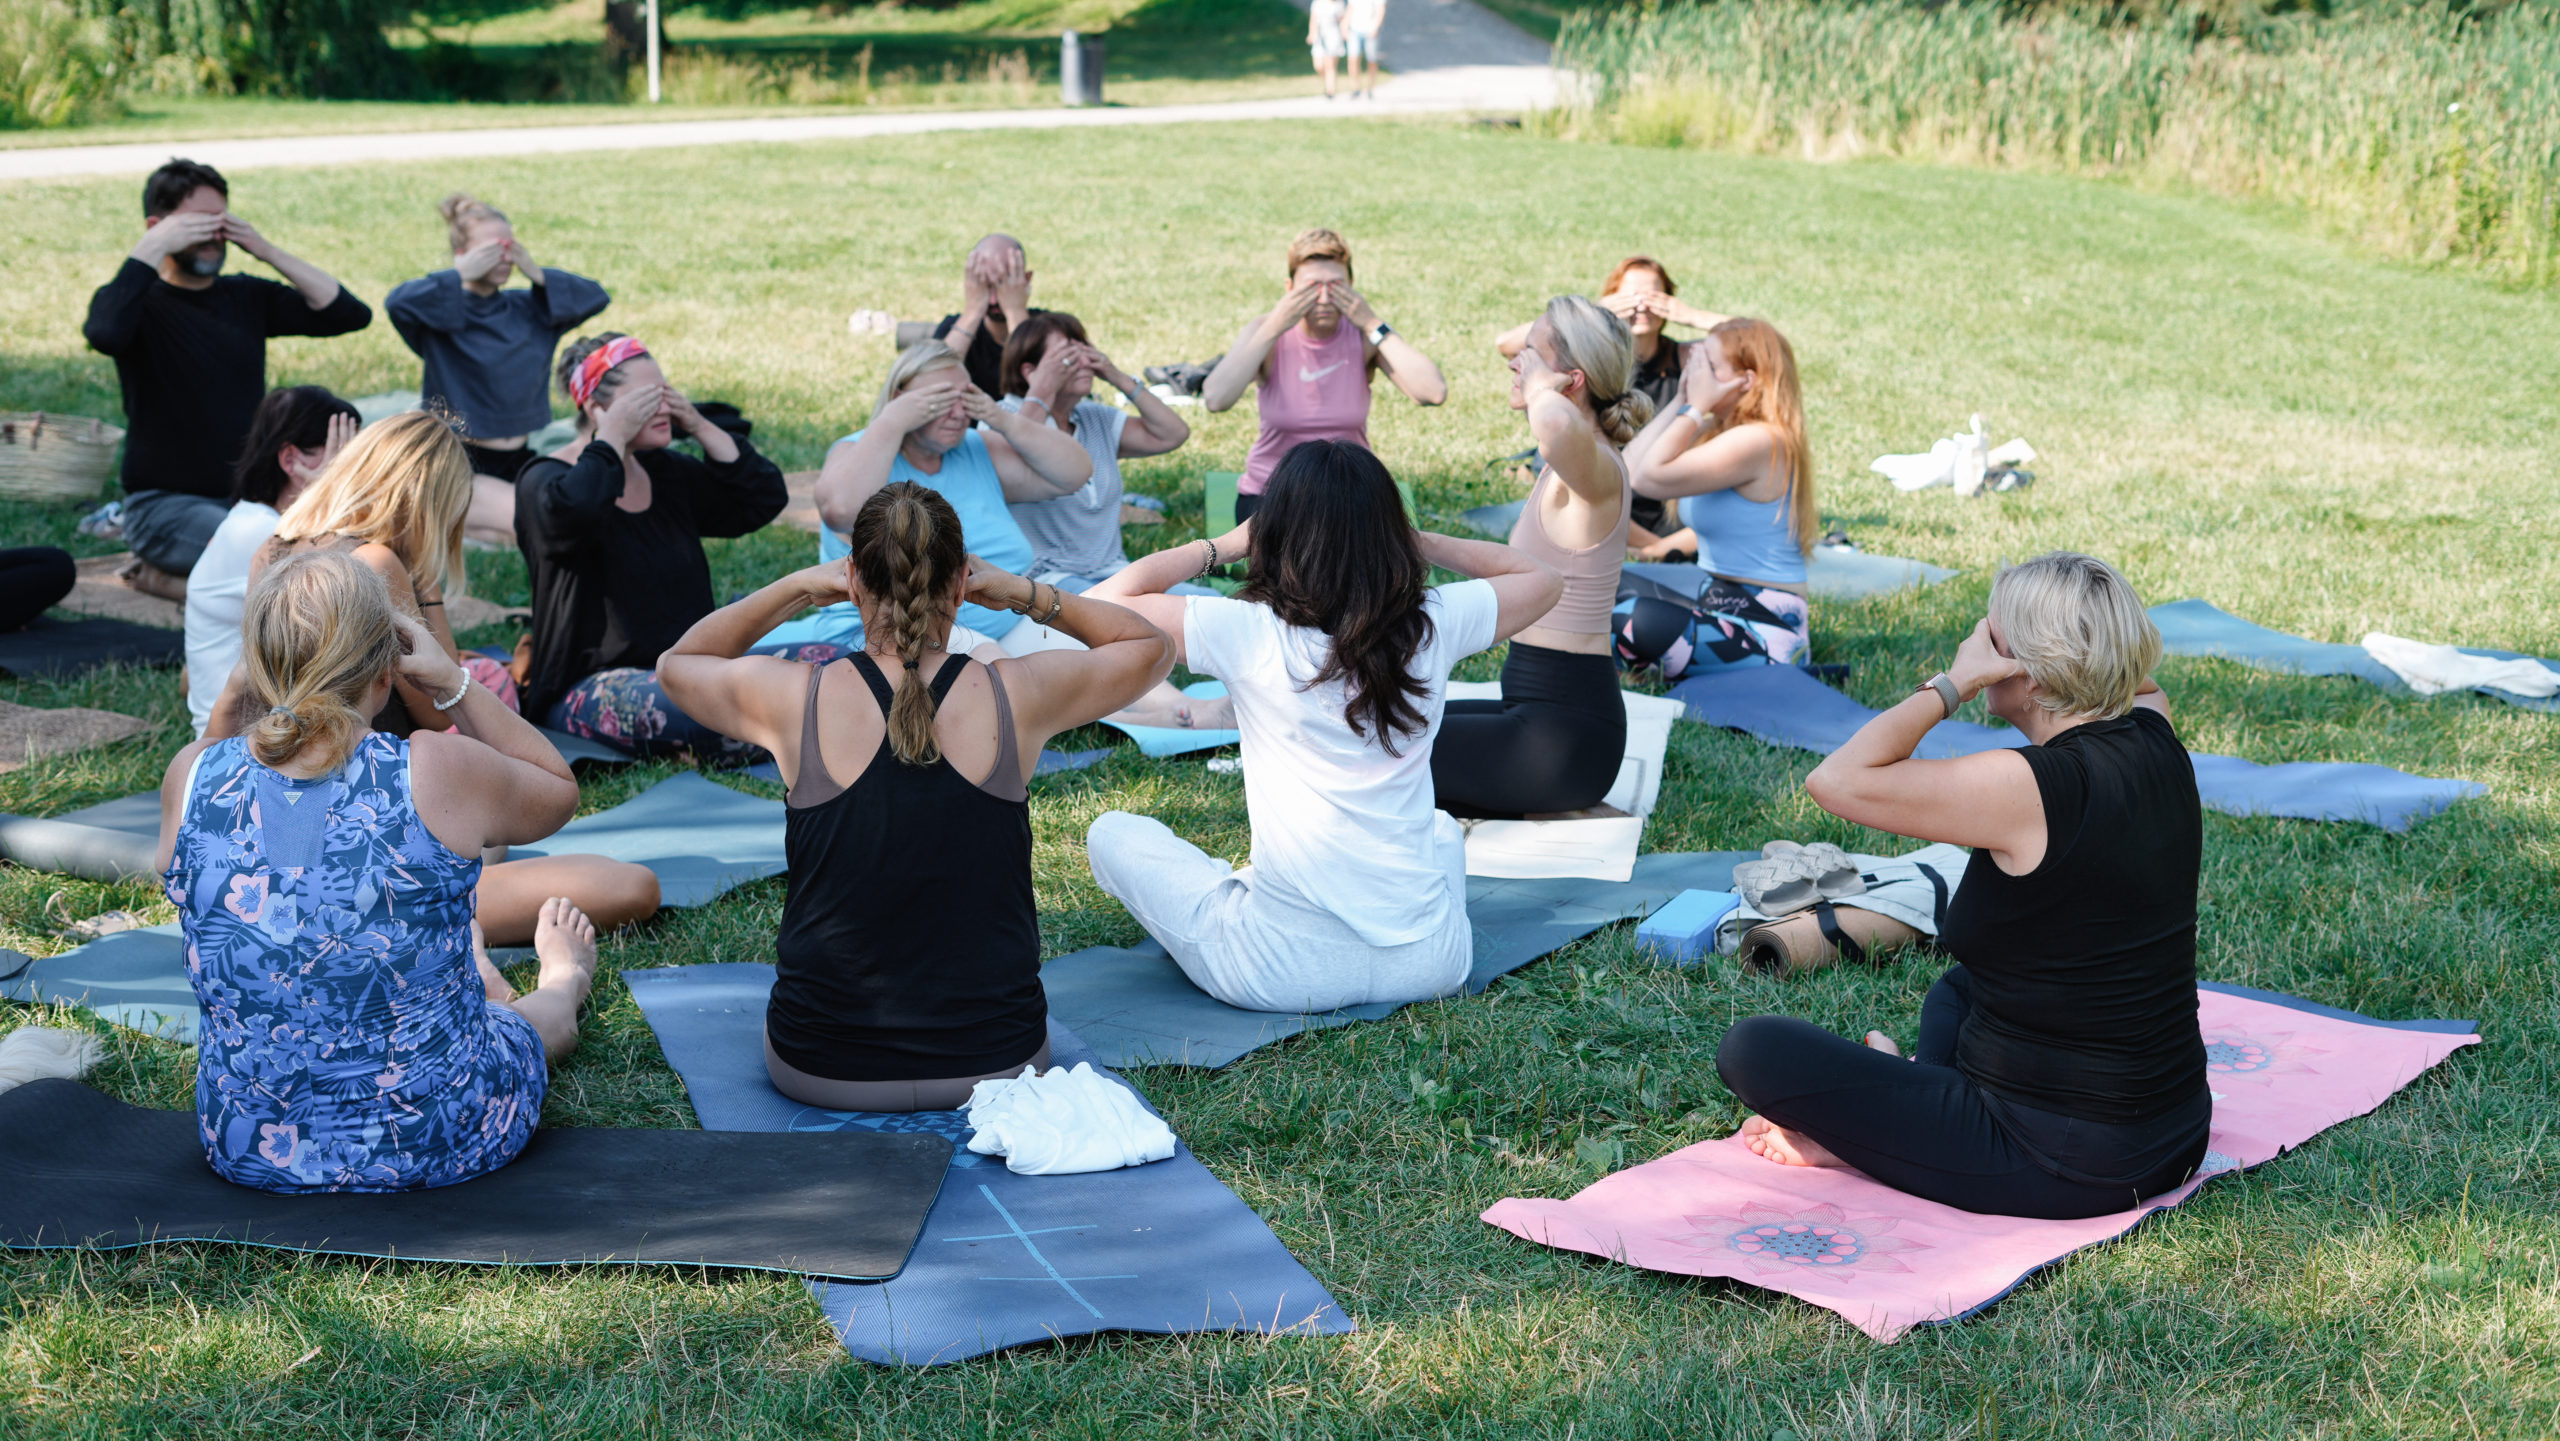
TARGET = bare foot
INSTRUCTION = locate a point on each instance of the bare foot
(564, 941)
(496, 984)
(1879, 1041)
(1776, 1143)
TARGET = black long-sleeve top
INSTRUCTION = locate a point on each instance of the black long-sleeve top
(612, 587)
(193, 365)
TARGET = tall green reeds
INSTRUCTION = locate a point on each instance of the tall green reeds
(2427, 135)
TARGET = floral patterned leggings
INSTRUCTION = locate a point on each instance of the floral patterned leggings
(628, 710)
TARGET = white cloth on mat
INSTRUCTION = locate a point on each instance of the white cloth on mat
(1897, 886)
(1065, 1123)
(1340, 825)
(1259, 946)
(2435, 669)
(1600, 847)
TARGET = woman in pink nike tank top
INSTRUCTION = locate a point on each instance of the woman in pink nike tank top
(1311, 359)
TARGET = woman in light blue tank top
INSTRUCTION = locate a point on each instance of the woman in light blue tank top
(324, 875)
(1733, 455)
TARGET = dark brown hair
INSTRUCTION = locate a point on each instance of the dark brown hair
(171, 184)
(1334, 551)
(907, 552)
(1030, 341)
(295, 415)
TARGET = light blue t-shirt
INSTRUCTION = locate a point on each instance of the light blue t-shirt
(968, 480)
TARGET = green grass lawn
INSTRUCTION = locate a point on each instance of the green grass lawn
(2228, 407)
(540, 66)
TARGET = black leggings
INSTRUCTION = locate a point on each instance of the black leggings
(32, 579)
(1554, 742)
(1923, 1127)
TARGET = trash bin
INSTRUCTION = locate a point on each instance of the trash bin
(1080, 60)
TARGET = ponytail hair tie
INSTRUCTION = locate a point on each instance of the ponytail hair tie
(911, 665)
(287, 712)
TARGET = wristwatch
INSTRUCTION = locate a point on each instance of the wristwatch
(1945, 685)
(1378, 335)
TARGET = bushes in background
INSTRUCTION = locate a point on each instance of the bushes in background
(57, 66)
(2428, 134)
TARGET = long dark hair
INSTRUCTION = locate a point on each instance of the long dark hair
(1334, 551)
(907, 551)
(296, 415)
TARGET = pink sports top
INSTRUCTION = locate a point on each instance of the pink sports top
(1311, 390)
(1590, 574)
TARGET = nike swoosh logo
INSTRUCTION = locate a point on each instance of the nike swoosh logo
(1312, 376)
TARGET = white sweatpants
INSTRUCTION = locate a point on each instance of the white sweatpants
(1265, 951)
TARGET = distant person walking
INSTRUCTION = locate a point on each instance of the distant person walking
(488, 350)
(190, 347)
(1325, 38)
(1360, 30)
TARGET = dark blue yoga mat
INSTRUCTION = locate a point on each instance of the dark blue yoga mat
(1134, 1006)
(702, 838)
(1004, 1260)
(1784, 706)
(2199, 627)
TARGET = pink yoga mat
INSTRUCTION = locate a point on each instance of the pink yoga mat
(2282, 1071)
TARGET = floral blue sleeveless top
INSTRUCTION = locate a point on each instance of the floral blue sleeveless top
(347, 1043)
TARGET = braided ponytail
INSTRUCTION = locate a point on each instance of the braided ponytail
(907, 552)
(316, 635)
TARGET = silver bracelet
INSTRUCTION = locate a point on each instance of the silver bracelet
(458, 691)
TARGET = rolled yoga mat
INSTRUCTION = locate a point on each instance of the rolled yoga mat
(1784, 706)
(86, 1170)
(1135, 1007)
(1004, 1260)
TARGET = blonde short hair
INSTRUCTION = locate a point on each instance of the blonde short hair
(2080, 631)
(404, 483)
(911, 364)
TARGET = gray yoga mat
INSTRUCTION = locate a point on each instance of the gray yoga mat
(2199, 627)
(702, 838)
(1134, 1006)
(1832, 572)
(133, 978)
(87, 1170)
(112, 841)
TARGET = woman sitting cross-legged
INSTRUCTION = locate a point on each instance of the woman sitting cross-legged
(324, 873)
(2060, 1070)
(611, 526)
(1556, 739)
(1337, 653)
(908, 963)
(1733, 454)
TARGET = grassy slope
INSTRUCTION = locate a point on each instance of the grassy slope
(1161, 52)
(2227, 408)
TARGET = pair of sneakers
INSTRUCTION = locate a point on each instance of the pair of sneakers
(1789, 877)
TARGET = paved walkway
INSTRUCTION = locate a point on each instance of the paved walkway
(1446, 56)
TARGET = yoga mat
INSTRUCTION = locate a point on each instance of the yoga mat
(1784, 706)
(1163, 741)
(86, 1170)
(49, 647)
(578, 750)
(2282, 1071)
(1004, 1260)
(1832, 572)
(2199, 627)
(111, 842)
(1598, 847)
(1051, 762)
(701, 837)
(133, 978)
(1135, 1007)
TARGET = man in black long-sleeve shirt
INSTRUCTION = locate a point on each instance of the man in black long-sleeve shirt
(190, 346)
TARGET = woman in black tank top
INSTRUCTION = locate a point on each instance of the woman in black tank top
(907, 965)
(2060, 1071)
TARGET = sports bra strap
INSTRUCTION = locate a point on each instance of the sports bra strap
(1005, 782)
(816, 786)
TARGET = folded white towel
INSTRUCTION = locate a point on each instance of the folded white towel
(1065, 1123)
(2435, 669)
(1961, 460)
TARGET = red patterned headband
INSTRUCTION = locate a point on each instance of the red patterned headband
(601, 360)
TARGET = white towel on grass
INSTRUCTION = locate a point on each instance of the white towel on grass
(1065, 1123)
(2435, 669)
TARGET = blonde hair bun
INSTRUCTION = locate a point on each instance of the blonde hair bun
(316, 634)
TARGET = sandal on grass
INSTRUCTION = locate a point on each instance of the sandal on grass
(1837, 876)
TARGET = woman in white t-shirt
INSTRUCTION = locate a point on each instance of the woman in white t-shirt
(1337, 656)
(295, 434)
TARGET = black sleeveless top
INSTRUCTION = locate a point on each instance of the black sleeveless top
(910, 942)
(2084, 969)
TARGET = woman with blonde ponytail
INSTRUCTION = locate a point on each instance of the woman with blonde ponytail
(908, 963)
(325, 874)
(1555, 740)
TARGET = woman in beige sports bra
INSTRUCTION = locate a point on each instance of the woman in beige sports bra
(1555, 740)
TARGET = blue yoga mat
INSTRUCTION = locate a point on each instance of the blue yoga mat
(1051, 762)
(1134, 1006)
(1832, 572)
(1162, 741)
(701, 837)
(1784, 706)
(133, 978)
(1004, 1260)
(2199, 627)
